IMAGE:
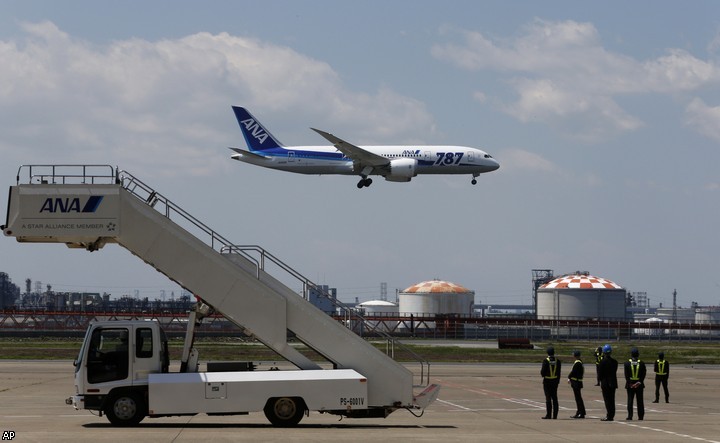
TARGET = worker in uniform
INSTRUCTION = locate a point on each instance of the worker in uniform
(608, 382)
(550, 373)
(598, 359)
(662, 373)
(575, 379)
(635, 383)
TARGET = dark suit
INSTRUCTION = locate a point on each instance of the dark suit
(550, 372)
(576, 383)
(662, 373)
(608, 383)
(635, 385)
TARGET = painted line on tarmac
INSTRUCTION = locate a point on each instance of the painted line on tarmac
(462, 408)
(676, 434)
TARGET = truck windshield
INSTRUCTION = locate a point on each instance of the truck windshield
(79, 359)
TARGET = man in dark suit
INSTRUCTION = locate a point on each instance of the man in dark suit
(575, 378)
(550, 372)
(662, 373)
(608, 382)
(635, 372)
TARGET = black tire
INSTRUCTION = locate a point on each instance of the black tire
(285, 411)
(126, 408)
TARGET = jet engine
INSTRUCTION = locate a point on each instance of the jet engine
(402, 170)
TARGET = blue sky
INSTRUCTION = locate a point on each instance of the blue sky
(605, 118)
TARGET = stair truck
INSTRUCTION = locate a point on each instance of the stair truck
(123, 368)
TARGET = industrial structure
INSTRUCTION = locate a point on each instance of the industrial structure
(436, 297)
(581, 296)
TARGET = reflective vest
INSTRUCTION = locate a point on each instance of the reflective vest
(634, 370)
(661, 367)
(553, 369)
(575, 378)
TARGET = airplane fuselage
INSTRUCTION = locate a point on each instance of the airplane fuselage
(328, 160)
(394, 163)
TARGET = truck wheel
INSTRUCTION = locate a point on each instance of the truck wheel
(125, 409)
(284, 411)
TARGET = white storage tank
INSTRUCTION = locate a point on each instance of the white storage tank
(436, 297)
(707, 316)
(377, 307)
(581, 296)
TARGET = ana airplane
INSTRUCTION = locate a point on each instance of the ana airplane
(395, 163)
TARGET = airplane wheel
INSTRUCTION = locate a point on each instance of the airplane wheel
(474, 181)
(364, 182)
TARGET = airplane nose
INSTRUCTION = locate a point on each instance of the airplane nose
(493, 164)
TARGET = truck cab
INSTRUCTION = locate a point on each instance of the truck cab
(112, 368)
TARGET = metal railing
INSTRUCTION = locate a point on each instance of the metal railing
(106, 174)
(260, 257)
(68, 174)
(349, 315)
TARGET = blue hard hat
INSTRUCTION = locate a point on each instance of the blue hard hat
(607, 349)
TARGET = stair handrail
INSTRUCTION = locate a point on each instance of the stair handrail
(308, 285)
(56, 174)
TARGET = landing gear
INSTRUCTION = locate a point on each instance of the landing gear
(474, 182)
(364, 182)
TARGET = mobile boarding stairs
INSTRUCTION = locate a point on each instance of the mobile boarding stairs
(88, 206)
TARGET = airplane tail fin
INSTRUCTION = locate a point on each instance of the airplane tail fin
(256, 136)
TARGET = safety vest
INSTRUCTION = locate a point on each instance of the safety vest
(661, 367)
(553, 368)
(575, 378)
(598, 357)
(634, 370)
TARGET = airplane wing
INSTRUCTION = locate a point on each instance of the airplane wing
(248, 154)
(355, 153)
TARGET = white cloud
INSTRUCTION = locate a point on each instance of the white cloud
(703, 118)
(519, 159)
(563, 76)
(138, 102)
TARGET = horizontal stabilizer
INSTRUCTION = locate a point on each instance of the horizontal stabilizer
(247, 154)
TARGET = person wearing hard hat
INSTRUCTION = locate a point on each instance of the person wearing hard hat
(575, 379)
(550, 372)
(635, 372)
(608, 382)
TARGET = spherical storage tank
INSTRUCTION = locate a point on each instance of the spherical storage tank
(581, 296)
(436, 297)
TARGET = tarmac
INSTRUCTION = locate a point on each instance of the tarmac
(478, 402)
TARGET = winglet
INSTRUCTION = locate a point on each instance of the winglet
(329, 137)
(351, 151)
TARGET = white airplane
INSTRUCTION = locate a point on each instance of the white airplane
(395, 163)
